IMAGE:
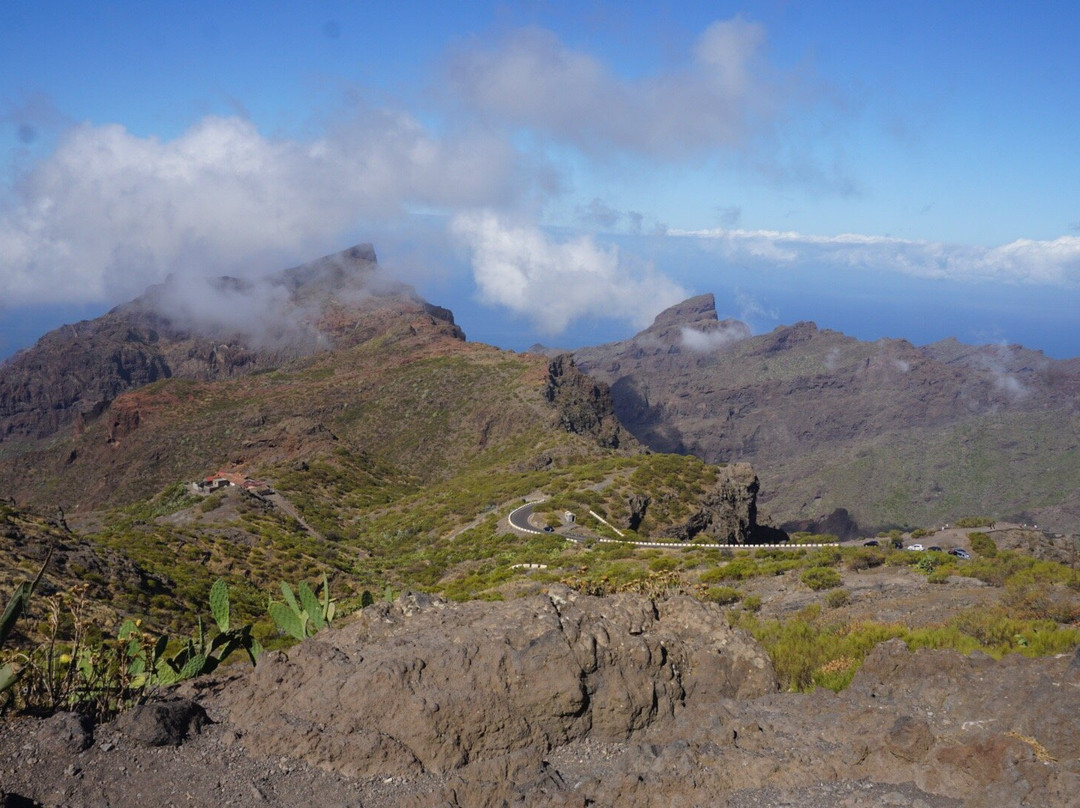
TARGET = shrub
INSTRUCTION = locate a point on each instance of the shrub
(212, 502)
(1026, 599)
(664, 564)
(903, 558)
(818, 578)
(864, 558)
(940, 575)
(982, 544)
(974, 521)
(837, 598)
(738, 570)
(616, 549)
(752, 603)
(928, 562)
(802, 537)
(823, 557)
(724, 595)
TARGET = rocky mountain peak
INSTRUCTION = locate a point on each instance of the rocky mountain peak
(693, 325)
(341, 269)
(693, 311)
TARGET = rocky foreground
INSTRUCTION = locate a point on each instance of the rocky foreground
(567, 700)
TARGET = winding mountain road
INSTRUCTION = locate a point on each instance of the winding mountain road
(520, 517)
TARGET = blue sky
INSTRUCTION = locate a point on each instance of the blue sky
(556, 172)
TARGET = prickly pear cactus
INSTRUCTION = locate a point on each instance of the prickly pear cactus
(219, 604)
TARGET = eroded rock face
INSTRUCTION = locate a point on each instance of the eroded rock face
(573, 700)
(423, 685)
(584, 406)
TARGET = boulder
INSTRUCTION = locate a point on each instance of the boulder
(162, 723)
(423, 685)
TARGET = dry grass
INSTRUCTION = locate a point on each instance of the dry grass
(1042, 754)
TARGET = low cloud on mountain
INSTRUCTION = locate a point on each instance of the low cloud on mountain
(110, 212)
(706, 341)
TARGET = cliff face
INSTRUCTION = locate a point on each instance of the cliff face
(584, 406)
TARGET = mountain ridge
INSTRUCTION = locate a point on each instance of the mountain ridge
(807, 405)
(201, 329)
(892, 433)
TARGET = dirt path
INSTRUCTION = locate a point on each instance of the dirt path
(287, 507)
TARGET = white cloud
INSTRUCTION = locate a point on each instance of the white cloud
(997, 360)
(259, 311)
(109, 212)
(1055, 263)
(706, 341)
(555, 283)
(724, 94)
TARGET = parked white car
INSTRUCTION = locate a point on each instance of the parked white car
(914, 547)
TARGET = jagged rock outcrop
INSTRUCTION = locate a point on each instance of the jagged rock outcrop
(584, 406)
(429, 686)
(638, 505)
(728, 513)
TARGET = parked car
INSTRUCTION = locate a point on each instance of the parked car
(871, 543)
(549, 529)
(916, 547)
(959, 553)
(934, 549)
